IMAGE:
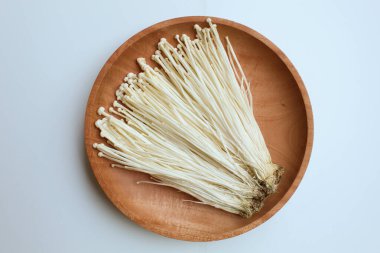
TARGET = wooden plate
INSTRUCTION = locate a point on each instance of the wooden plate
(282, 109)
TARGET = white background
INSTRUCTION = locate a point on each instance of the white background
(50, 55)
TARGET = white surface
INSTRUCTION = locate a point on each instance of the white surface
(50, 54)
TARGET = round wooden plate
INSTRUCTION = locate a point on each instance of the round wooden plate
(281, 107)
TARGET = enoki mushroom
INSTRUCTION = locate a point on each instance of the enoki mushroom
(190, 125)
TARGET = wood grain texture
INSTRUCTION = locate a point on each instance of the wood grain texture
(281, 107)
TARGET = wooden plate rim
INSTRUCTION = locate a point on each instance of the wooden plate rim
(285, 60)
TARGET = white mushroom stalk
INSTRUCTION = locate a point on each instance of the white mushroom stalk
(190, 125)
